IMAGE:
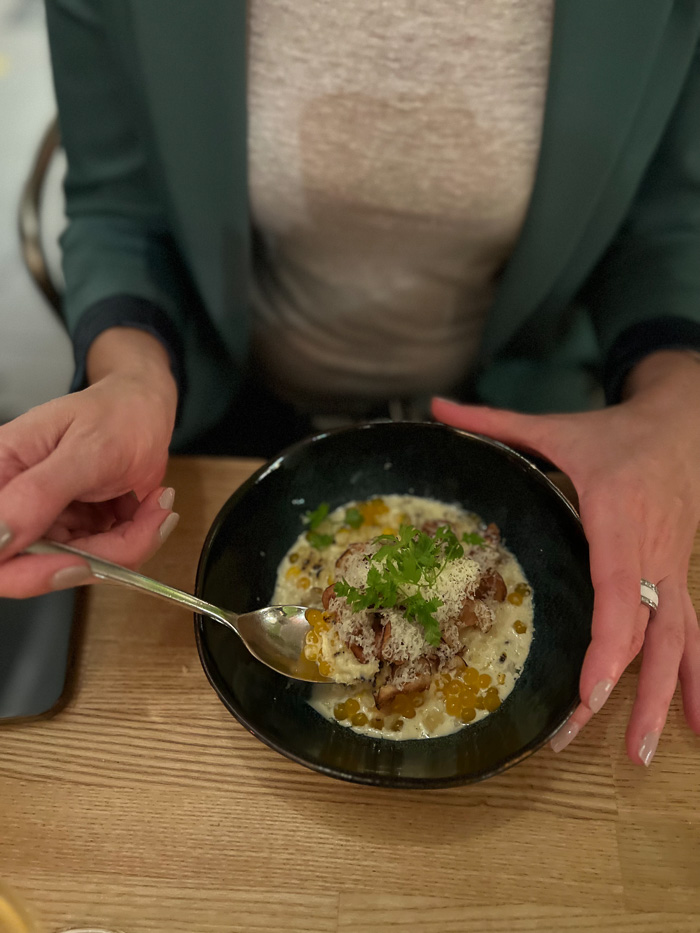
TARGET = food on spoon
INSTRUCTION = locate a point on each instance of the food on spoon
(414, 611)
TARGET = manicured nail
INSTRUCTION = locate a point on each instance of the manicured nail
(5, 535)
(599, 695)
(648, 747)
(168, 526)
(564, 737)
(167, 497)
(70, 577)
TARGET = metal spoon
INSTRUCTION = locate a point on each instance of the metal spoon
(275, 635)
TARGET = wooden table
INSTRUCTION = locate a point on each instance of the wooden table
(143, 806)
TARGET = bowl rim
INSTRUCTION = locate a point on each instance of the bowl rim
(371, 780)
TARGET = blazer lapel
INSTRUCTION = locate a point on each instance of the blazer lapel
(194, 81)
(603, 58)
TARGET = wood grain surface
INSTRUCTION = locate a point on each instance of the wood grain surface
(142, 806)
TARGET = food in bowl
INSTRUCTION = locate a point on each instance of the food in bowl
(418, 610)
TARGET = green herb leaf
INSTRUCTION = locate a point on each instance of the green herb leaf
(473, 538)
(453, 549)
(314, 519)
(353, 517)
(422, 610)
(410, 559)
(319, 541)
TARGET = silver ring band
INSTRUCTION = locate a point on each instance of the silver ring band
(649, 594)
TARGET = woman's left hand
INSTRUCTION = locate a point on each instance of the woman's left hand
(636, 469)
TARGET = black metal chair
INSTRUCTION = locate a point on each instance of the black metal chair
(31, 228)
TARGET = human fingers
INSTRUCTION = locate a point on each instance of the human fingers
(689, 671)
(571, 728)
(536, 433)
(619, 619)
(130, 543)
(28, 575)
(32, 500)
(663, 649)
(90, 518)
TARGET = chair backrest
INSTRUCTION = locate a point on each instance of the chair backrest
(42, 217)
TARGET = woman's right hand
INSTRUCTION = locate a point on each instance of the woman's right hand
(86, 469)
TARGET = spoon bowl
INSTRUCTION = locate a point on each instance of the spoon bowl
(274, 635)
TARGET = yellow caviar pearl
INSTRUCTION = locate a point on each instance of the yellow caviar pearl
(471, 677)
(389, 531)
(453, 706)
(492, 700)
(311, 652)
(352, 706)
(468, 697)
(377, 722)
(293, 558)
(484, 681)
(467, 714)
(453, 689)
(324, 668)
(479, 703)
(515, 599)
(340, 711)
(371, 510)
(304, 583)
(314, 616)
(402, 704)
(359, 719)
(293, 572)
(519, 627)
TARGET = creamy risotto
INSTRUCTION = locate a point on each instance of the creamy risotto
(418, 612)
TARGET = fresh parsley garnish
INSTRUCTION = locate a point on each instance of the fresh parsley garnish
(319, 541)
(314, 519)
(411, 559)
(473, 538)
(354, 517)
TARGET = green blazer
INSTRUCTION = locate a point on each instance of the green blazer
(152, 106)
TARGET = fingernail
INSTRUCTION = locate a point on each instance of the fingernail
(564, 737)
(599, 695)
(167, 497)
(5, 535)
(70, 577)
(168, 526)
(441, 398)
(648, 747)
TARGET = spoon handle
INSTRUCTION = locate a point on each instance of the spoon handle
(115, 573)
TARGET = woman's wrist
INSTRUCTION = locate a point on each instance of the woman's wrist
(133, 354)
(675, 373)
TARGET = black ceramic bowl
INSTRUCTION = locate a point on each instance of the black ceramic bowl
(263, 518)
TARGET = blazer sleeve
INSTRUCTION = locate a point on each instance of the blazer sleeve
(120, 263)
(645, 293)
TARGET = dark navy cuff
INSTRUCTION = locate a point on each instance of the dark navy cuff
(127, 311)
(638, 341)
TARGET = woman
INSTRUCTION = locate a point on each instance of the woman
(472, 201)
